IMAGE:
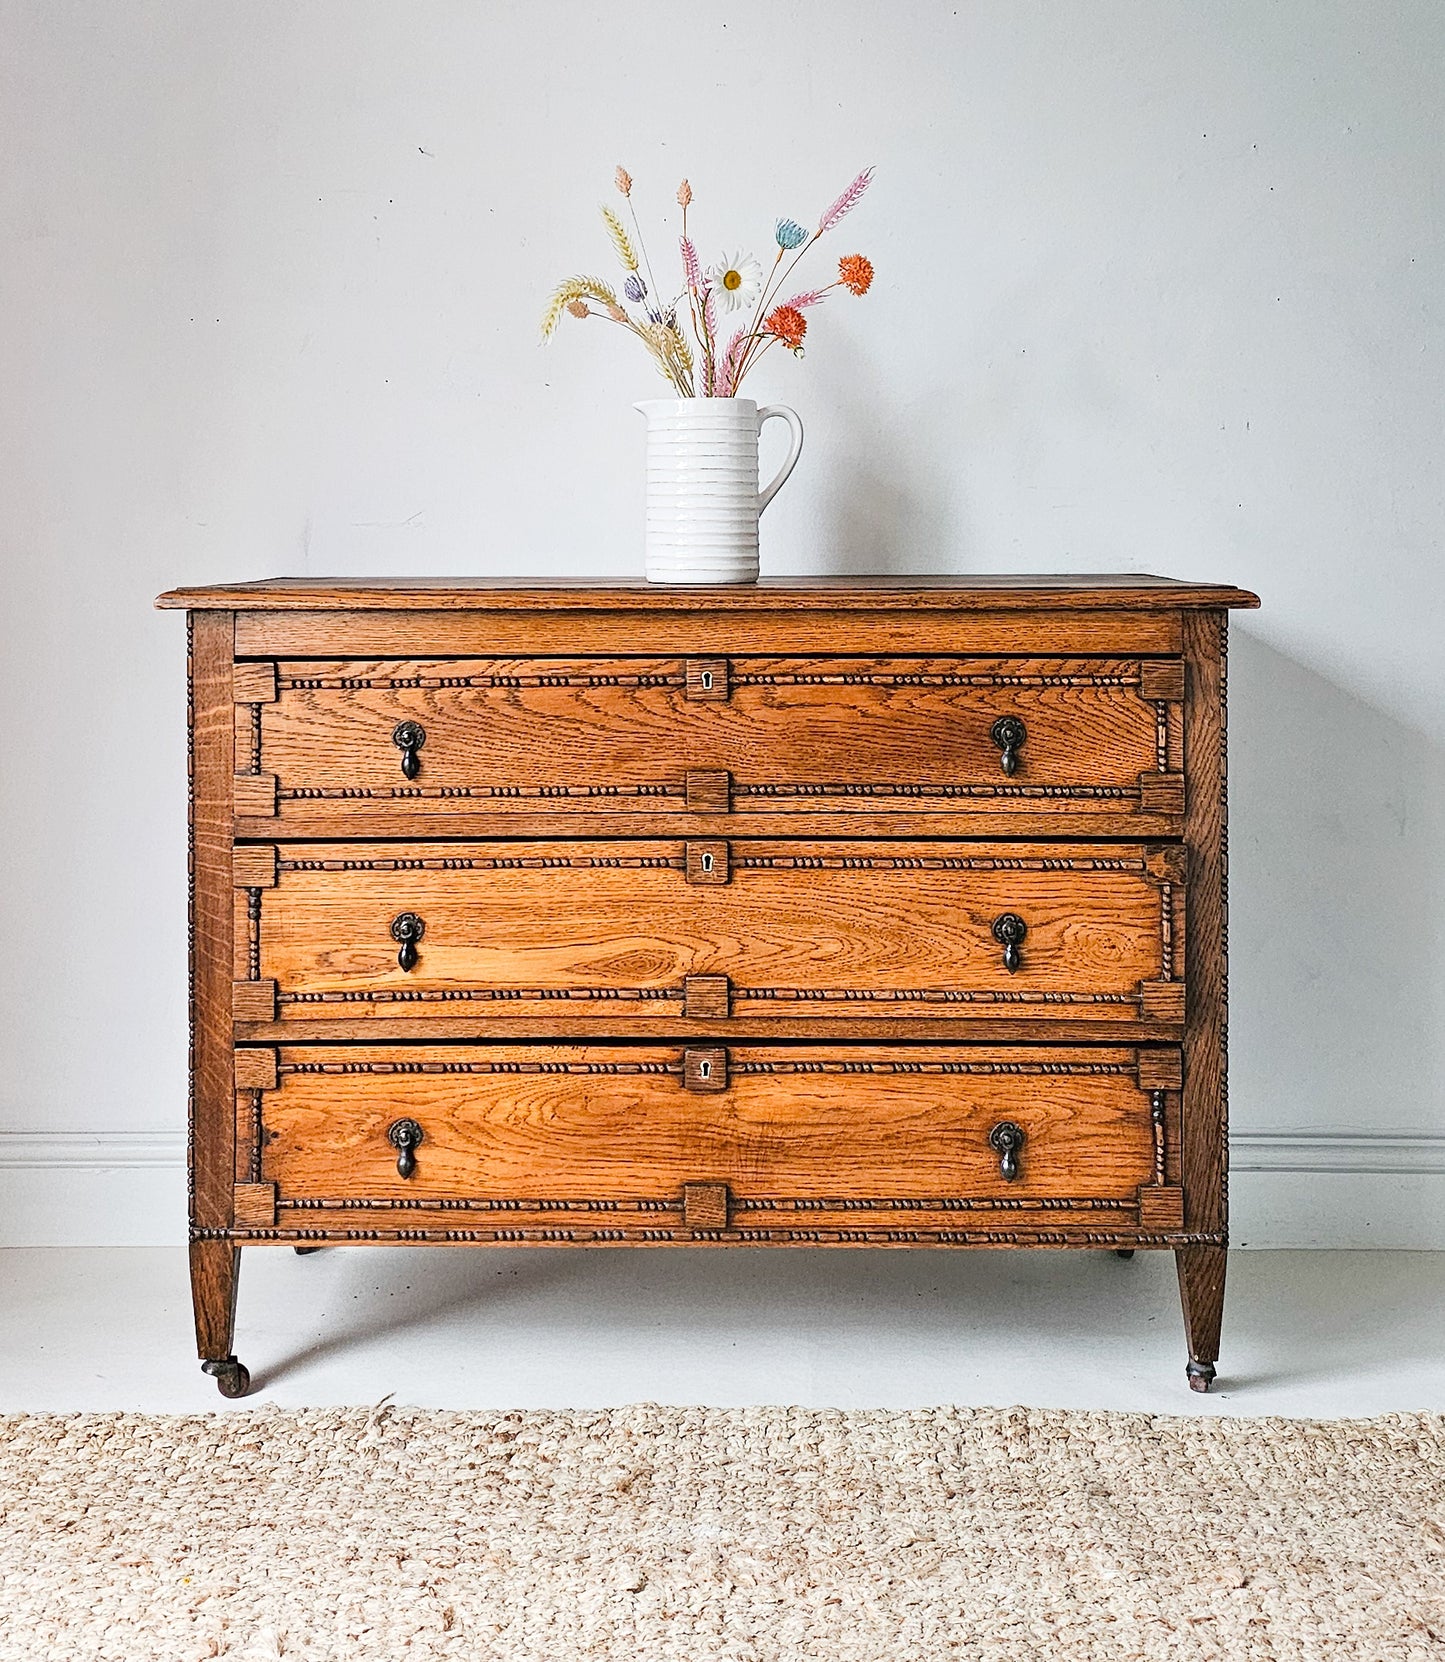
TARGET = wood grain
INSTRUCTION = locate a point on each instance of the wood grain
(215, 1266)
(255, 683)
(255, 1205)
(933, 592)
(1206, 1127)
(857, 737)
(253, 1001)
(705, 631)
(254, 867)
(608, 1123)
(212, 760)
(1201, 1271)
(611, 930)
(255, 794)
(453, 821)
(255, 1070)
(563, 1022)
(825, 745)
(1161, 1208)
(1205, 1109)
(705, 1205)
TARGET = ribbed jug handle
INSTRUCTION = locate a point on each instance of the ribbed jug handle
(795, 450)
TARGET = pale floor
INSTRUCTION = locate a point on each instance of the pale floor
(1306, 1333)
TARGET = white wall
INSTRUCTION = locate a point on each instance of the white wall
(1159, 289)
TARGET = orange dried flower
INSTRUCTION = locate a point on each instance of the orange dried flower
(788, 324)
(855, 273)
(623, 180)
(684, 195)
(578, 308)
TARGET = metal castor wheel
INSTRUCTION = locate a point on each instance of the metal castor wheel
(1123, 1252)
(305, 1252)
(231, 1377)
(1200, 1375)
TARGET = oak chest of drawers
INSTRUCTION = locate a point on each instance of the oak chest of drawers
(822, 912)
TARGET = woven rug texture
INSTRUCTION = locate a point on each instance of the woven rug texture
(651, 1534)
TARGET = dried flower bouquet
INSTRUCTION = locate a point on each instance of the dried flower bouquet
(698, 367)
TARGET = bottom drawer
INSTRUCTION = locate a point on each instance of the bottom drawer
(659, 1143)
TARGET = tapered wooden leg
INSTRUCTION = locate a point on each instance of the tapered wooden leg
(215, 1270)
(1201, 1292)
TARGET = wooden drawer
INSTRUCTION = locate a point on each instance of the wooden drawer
(710, 932)
(744, 1142)
(648, 744)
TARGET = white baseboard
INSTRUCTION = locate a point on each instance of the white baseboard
(1382, 1153)
(1337, 1189)
(1287, 1189)
(111, 1189)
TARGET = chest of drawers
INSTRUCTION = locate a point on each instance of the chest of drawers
(832, 912)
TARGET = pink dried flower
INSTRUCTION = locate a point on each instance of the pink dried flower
(810, 297)
(578, 308)
(691, 269)
(623, 180)
(726, 382)
(846, 202)
(684, 195)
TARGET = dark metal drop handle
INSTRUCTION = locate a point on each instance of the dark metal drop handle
(409, 737)
(1009, 932)
(1007, 1141)
(405, 1136)
(1009, 733)
(407, 929)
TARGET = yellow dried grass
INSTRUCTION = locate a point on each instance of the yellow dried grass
(575, 288)
(620, 239)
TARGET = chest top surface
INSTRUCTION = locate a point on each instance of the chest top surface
(1126, 591)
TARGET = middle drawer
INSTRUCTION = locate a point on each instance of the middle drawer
(710, 932)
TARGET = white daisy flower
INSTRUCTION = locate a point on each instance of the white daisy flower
(737, 283)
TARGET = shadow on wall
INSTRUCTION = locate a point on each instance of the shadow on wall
(1337, 940)
(1337, 864)
(1337, 831)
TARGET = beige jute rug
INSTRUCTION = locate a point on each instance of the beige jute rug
(654, 1534)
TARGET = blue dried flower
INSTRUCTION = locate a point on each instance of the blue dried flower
(635, 289)
(789, 233)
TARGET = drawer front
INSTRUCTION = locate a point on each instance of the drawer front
(332, 744)
(710, 931)
(630, 1142)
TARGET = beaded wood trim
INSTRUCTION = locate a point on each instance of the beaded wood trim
(777, 792)
(677, 678)
(946, 1203)
(192, 1035)
(748, 862)
(674, 995)
(1122, 1237)
(735, 1067)
(1224, 901)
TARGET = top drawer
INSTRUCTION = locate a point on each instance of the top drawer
(638, 745)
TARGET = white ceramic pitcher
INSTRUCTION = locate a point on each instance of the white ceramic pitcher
(703, 500)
